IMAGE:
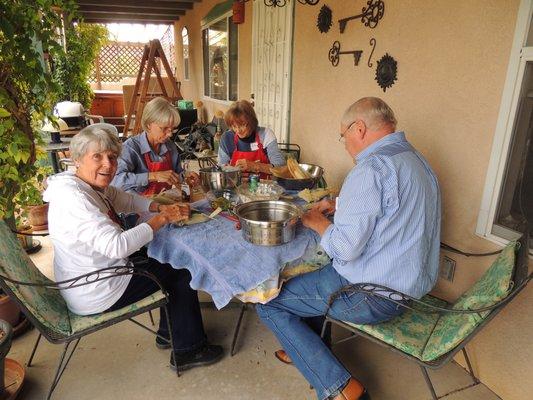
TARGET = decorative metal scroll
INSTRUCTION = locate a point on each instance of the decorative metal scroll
(335, 52)
(372, 43)
(275, 3)
(324, 19)
(310, 2)
(370, 15)
(386, 71)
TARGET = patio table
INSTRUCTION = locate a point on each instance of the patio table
(53, 148)
(224, 265)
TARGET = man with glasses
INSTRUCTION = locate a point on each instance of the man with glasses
(385, 230)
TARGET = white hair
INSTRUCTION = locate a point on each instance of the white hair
(160, 111)
(372, 110)
(104, 137)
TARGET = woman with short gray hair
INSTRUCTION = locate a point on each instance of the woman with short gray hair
(87, 235)
(150, 161)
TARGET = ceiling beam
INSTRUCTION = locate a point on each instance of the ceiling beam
(129, 18)
(156, 5)
(104, 9)
(127, 21)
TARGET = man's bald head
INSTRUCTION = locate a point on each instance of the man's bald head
(373, 111)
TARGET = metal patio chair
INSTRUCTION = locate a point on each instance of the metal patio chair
(39, 299)
(431, 332)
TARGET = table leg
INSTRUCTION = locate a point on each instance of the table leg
(237, 329)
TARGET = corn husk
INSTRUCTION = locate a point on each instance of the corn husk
(296, 171)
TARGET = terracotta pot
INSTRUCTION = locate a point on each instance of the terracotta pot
(38, 215)
(9, 310)
(25, 241)
(5, 344)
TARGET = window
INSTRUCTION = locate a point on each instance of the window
(220, 56)
(508, 197)
(185, 42)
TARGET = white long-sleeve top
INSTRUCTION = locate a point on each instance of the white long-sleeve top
(86, 239)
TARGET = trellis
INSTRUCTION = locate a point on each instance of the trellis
(118, 60)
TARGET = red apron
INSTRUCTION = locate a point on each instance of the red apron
(165, 165)
(256, 155)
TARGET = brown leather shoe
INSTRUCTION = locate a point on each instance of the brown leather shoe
(283, 356)
(353, 391)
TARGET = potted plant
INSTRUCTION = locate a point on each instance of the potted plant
(29, 203)
(28, 41)
(6, 334)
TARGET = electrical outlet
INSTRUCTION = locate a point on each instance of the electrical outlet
(447, 268)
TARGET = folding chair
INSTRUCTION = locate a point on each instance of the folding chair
(39, 299)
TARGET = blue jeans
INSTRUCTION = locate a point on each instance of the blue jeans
(307, 296)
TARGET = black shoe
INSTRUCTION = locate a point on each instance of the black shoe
(162, 344)
(209, 354)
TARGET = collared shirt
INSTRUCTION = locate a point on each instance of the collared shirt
(132, 172)
(386, 227)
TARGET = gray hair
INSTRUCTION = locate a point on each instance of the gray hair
(160, 111)
(372, 110)
(104, 137)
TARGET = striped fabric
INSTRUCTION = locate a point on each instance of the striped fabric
(387, 224)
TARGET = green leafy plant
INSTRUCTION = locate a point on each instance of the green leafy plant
(27, 91)
(72, 69)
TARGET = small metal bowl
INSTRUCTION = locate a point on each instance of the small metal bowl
(268, 222)
(219, 179)
(315, 171)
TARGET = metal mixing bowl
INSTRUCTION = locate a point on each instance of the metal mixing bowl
(220, 179)
(315, 171)
(268, 222)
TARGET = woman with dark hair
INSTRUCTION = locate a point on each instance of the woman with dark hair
(247, 145)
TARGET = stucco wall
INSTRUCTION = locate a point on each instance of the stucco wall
(452, 59)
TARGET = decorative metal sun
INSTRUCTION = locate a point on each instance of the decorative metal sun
(386, 71)
(324, 19)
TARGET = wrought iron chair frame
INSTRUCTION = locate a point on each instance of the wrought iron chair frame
(95, 276)
(520, 281)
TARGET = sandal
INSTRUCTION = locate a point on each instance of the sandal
(283, 356)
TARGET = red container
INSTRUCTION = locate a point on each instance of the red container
(238, 12)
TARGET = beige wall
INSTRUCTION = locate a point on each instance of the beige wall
(452, 59)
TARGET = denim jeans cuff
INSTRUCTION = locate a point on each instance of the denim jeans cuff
(335, 388)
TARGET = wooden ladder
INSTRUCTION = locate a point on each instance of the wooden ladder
(152, 51)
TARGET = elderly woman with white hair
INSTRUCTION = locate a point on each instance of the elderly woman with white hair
(150, 161)
(87, 235)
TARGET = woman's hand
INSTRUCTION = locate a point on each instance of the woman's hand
(169, 176)
(169, 214)
(175, 212)
(243, 165)
(192, 179)
(253, 166)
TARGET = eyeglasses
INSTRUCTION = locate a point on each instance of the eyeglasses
(165, 129)
(342, 137)
(239, 127)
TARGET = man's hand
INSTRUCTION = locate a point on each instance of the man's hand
(325, 206)
(315, 220)
(169, 177)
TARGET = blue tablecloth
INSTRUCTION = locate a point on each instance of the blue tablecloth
(221, 262)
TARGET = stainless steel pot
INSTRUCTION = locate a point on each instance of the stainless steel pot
(219, 179)
(268, 222)
(315, 171)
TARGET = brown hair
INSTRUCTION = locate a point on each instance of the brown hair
(241, 111)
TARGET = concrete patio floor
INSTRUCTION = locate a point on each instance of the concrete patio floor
(122, 362)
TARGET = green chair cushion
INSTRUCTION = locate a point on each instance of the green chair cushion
(428, 335)
(83, 322)
(492, 287)
(47, 306)
(409, 332)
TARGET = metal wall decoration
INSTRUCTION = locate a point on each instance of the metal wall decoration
(370, 15)
(372, 43)
(310, 2)
(335, 52)
(324, 19)
(275, 3)
(386, 71)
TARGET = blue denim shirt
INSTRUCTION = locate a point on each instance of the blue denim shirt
(132, 172)
(386, 227)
